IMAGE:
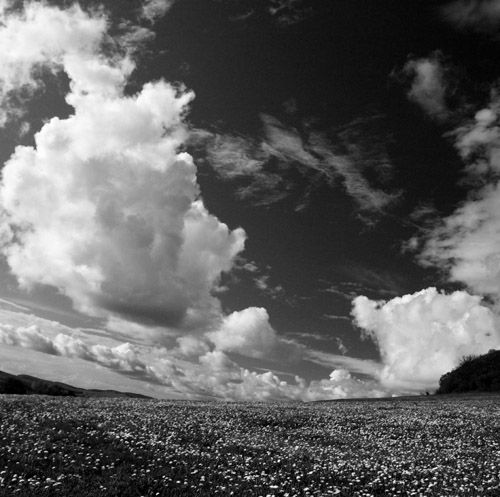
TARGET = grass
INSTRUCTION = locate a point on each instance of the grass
(127, 447)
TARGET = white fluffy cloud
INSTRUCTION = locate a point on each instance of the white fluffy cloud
(249, 333)
(104, 208)
(424, 335)
(41, 38)
(428, 86)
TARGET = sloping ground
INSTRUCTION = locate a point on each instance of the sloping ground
(29, 385)
(474, 374)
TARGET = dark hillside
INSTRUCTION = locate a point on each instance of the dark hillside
(29, 385)
(474, 374)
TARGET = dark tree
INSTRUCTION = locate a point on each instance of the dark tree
(473, 374)
(12, 386)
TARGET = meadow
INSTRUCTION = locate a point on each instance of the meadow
(58, 446)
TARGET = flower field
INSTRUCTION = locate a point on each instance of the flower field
(123, 447)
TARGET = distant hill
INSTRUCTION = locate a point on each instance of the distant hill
(29, 385)
(474, 374)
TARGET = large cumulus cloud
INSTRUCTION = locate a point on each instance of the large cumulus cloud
(424, 335)
(104, 207)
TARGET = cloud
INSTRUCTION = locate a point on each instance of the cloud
(428, 85)
(334, 317)
(194, 368)
(366, 367)
(422, 336)
(29, 337)
(259, 277)
(342, 348)
(249, 333)
(289, 12)
(240, 17)
(236, 156)
(477, 15)
(341, 385)
(106, 189)
(191, 346)
(268, 166)
(38, 39)
(228, 381)
(243, 160)
(345, 291)
(210, 374)
(376, 282)
(466, 242)
(155, 9)
(262, 283)
(123, 357)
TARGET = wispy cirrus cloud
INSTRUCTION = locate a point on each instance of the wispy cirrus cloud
(477, 15)
(260, 277)
(262, 167)
(365, 367)
(335, 317)
(264, 285)
(289, 12)
(357, 279)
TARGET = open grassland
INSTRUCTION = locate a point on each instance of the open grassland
(125, 447)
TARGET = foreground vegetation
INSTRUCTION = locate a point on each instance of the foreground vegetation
(58, 446)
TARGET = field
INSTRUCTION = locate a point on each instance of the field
(123, 447)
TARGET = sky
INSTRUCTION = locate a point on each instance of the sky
(249, 200)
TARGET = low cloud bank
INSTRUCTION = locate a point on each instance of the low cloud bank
(195, 369)
(123, 357)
